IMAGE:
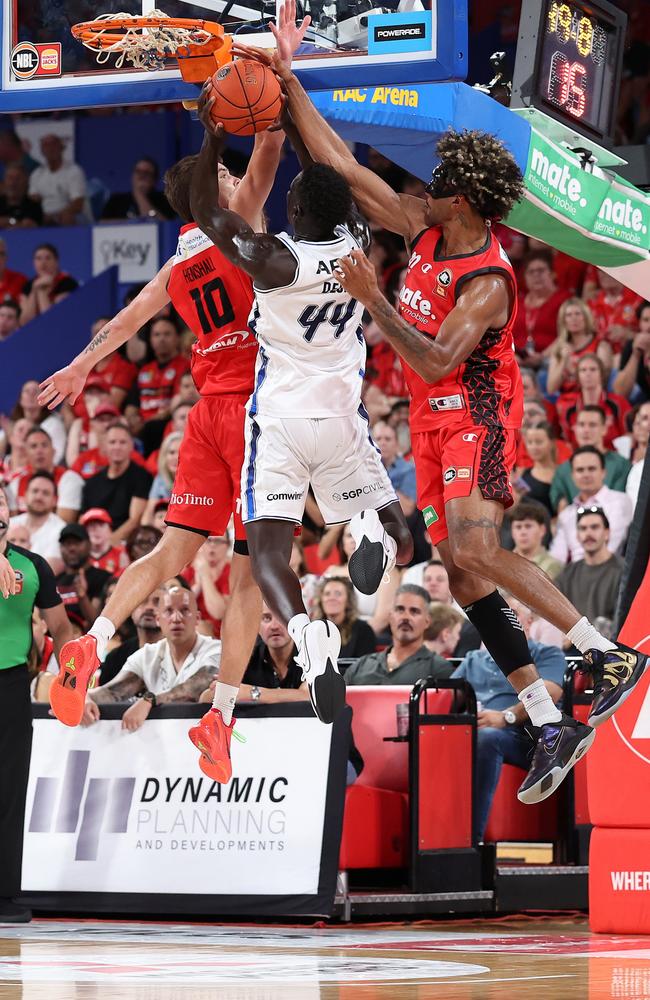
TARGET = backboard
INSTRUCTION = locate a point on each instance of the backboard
(351, 43)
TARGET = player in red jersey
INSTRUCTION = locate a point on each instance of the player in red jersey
(454, 334)
(214, 298)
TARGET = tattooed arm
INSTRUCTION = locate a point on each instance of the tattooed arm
(190, 689)
(126, 685)
(482, 305)
(68, 383)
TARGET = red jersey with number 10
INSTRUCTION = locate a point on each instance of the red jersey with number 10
(486, 388)
(214, 298)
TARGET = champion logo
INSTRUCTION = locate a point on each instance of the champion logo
(470, 437)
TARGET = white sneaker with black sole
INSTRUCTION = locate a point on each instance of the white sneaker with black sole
(318, 652)
(374, 554)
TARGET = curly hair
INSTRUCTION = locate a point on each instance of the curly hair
(479, 167)
(324, 195)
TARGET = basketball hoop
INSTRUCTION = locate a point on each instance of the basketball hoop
(147, 42)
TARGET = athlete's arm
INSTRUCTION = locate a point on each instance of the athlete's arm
(264, 257)
(401, 214)
(482, 305)
(58, 625)
(253, 190)
(68, 382)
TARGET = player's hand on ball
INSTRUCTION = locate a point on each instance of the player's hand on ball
(287, 33)
(206, 102)
(358, 277)
(67, 383)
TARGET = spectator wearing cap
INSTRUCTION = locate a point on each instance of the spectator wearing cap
(9, 318)
(49, 285)
(118, 373)
(103, 554)
(80, 583)
(59, 187)
(143, 201)
(40, 458)
(122, 487)
(11, 282)
(161, 488)
(17, 209)
(589, 430)
(588, 472)
(43, 524)
(592, 583)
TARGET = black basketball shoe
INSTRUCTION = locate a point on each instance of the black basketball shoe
(559, 746)
(374, 555)
(616, 673)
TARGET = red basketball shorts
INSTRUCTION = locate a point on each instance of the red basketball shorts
(206, 488)
(451, 461)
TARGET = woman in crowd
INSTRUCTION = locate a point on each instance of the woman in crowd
(638, 447)
(29, 408)
(48, 286)
(634, 372)
(536, 480)
(161, 488)
(576, 337)
(536, 323)
(592, 382)
(337, 602)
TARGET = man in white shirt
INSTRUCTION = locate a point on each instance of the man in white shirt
(60, 187)
(588, 471)
(43, 524)
(178, 668)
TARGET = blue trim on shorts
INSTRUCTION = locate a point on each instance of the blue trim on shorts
(363, 413)
(255, 433)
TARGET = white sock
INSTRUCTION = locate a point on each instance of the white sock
(539, 704)
(103, 631)
(584, 637)
(296, 626)
(225, 696)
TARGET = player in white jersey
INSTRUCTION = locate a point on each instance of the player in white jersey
(306, 424)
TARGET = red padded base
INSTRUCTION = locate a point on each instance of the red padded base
(510, 819)
(375, 829)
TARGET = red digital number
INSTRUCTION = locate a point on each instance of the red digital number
(567, 85)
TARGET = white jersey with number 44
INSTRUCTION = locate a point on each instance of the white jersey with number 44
(312, 354)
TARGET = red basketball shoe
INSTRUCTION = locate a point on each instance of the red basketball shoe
(212, 738)
(78, 663)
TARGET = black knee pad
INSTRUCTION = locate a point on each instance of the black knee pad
(501, 632)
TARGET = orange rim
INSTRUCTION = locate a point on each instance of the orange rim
(110, 31)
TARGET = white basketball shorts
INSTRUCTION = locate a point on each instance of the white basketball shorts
(336, 455)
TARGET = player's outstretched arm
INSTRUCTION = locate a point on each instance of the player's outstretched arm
(401, 214)
(264, 257)
(68, 382)
(483, 305)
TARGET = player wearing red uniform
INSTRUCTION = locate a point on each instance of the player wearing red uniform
(458, 306)
(215, 299)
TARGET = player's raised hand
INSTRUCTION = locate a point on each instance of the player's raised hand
(66, 384)
(204, 110)
(358, 277)
(289, 35)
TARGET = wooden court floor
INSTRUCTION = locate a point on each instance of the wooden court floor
(102, 960)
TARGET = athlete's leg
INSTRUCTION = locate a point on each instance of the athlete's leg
(394, 522)
(241, 621)
(318, 642)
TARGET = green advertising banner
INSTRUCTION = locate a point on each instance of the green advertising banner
(593, 216)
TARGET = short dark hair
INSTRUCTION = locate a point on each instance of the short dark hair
(482, 169)
(593, 511)
(324, 195)
(151, 162)
(120, 425)
(544, 255)
(593, 408)
(413, 588)
(164, 319)
(11, 304)
(42, 475)
(641, 306)
(530, 510)
(49, 247)
(177, 184)
(588, 449)
(37, 430)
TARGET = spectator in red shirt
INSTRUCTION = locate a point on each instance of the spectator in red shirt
(15, 463)
(634, 370)
(103, 554)
(209, 576)
(9, 318)
(11, 282)
(93, 459)
(536, 323)
(576, 337)
(29, 407)
(49, 285)
(159, 381)
(591, 377)
(614, 308)
(118, 373)
(40, 457)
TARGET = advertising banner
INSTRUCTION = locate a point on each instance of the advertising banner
(133, 248)
(113, 812)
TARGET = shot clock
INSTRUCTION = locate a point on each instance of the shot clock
(569, 57)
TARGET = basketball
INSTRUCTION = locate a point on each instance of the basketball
(248, 97)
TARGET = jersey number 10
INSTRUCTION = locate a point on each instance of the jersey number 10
(205, 301)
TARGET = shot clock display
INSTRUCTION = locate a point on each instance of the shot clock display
(569, 62)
